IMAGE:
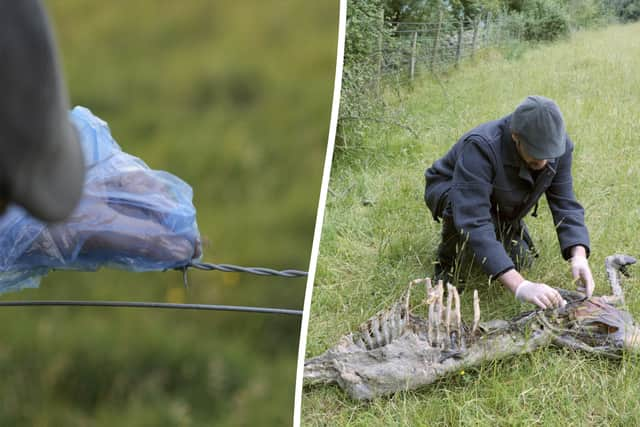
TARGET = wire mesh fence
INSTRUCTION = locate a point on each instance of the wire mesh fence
(384, 56)
(411, 48)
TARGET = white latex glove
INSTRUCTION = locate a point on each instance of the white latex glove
(582, 275)
(542, 295)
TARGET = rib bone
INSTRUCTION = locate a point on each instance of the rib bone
(476, 312)
(449, 300)
(438, 313)
(431, 314)
(457, 317)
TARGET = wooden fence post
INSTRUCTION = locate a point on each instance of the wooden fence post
(380, 56)
(436, 42)
(502, 36)
(413, 54)
(476, 24)
(486, 35)
(459, 47)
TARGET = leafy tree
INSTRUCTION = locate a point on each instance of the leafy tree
(412, 10)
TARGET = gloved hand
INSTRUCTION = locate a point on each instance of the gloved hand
(542, 295)
(582, 275)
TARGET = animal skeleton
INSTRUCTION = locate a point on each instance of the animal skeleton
(396, 350)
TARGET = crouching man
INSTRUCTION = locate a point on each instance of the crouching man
(490, 180)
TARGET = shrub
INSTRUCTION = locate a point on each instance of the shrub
(587, 13)
(545, 20)
(361, 61)
(513, 24)
(625, 10)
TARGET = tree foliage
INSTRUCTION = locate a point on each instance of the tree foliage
(625, 10)
(580, 12)
(545, 20)
(412, 10)
(365, 30)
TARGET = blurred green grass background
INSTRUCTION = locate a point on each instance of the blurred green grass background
(234, 98)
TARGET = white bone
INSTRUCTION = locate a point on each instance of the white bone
(476, 311)
(431, 314)
(375, 329)
(439, 311)
(458, 319)
(387, 334)
(448, 312)
(364, 331)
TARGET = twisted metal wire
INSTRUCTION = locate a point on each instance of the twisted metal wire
(261, 271)
(132, 304)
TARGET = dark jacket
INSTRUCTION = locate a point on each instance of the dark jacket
(483, 177)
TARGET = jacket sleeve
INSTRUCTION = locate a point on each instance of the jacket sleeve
(470, 197)
(568, 214)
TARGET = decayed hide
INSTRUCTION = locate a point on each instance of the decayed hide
(397, 350)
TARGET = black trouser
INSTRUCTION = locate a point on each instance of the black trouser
(455, 255)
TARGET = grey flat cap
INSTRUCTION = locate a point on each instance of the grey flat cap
(41, 163)
(540, 126)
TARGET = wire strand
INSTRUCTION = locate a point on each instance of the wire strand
(131, 304)
(261, 271)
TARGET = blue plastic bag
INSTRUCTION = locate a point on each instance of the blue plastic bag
(130, 217)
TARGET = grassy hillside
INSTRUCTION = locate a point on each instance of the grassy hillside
(235, 98)
(369, 251)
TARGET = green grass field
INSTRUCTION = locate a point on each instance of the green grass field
(234, 98)
(370, 251)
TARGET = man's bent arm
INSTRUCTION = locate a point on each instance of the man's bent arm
(568, 214)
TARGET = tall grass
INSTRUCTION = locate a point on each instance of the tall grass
(378, 235)
(234, 98)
